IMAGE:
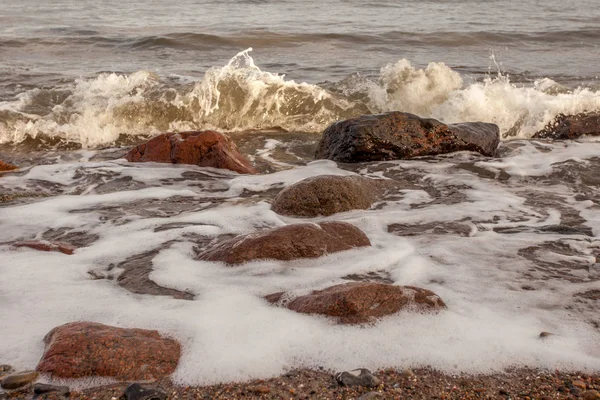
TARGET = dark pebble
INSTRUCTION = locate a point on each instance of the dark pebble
(42, 388)
(135, 391)
(365, 378)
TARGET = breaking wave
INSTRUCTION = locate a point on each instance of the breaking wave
(240, 96)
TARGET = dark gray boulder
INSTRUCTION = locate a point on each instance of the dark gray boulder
(397, 135)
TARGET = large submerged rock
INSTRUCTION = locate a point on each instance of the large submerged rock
(328, 194)
(205, 149)
(565, 127)
(397, 135)
(288, 243)
(360, 302)
(88, 349)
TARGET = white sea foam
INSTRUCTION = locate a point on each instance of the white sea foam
(229, 332)
(240, 96)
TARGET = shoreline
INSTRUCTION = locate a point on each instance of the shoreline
(422, 383)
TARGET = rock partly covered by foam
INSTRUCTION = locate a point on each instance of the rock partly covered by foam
(205, 149)
(565, 127)
(360, 302)
(6, 167)
(45, 245)
(288, 243)
(328, 194)
(397, 135)
(87, 349)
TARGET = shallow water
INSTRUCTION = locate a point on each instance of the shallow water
(510, 243)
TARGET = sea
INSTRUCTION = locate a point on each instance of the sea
(511, 243)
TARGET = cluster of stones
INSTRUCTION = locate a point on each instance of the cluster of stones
(84, 349)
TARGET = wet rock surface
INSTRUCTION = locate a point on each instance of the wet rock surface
(361, 302)
(328, 194)
(44, 388)
(87, 349)
(358, 377)
(45, 245)
(18, 379)
(565, 127)
(202, 148)
(6, 167)
(398, 135)
(288, 243)
(135, 391)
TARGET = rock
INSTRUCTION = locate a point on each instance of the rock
(260, 389)
(44, 245)
(6, 167)
(18, 380)
(590, 395)
(288, 243)
(43, 388)
(370, 395)
(357, 377)
(544, 335)
(565, 127)
(360, 302)
(328, 194)
(5, 369)
(135, 391)
(579, 384)
(205, 149)
(407, 373)
(84, 349)
(398, 135)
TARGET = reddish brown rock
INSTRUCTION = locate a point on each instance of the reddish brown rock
(571, 127)
(398, 135)
(6, 167)
(360, 302)
(328, 194)
(84, 349)
(205, 149)
(288, 243)
(44, 245)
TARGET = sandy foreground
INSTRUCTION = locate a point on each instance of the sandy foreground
(409, 384)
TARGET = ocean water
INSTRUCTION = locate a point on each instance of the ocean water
(511, 243)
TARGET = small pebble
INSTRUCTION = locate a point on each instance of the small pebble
(42, 388)
(17, 380)
(135, 391)
(261, 389)
(579, 384)
(407, 373)
(591, 395)
(370, 395)
(544, 335)
(364, 378)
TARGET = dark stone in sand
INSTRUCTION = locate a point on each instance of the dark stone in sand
(328, 194)
(6, 167)
(135, 391)
(18, 380)
(88, 349)
(44, 245)
(43, 388)
(566, 127)
(288, 243)
(205, 149)
(398, 135)
(357, 377)
(360, 302)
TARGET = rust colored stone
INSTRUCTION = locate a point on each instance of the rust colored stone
(44, 245)
(84, 349)
(328, 194)
(398, 135)
(360, 302)
(288, 243)
(205, 149)
(6, 167)
(565, 127)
